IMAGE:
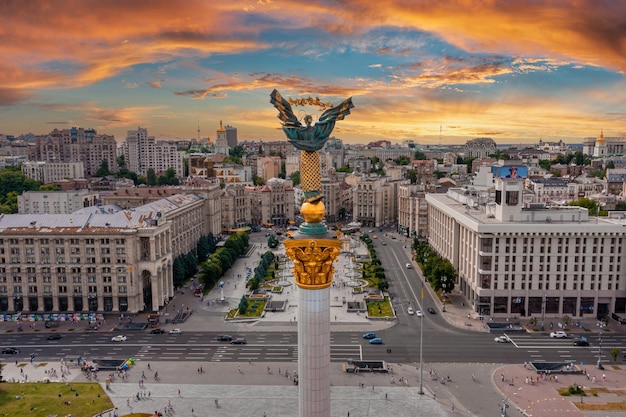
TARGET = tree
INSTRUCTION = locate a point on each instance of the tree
(592, 205)
(151, 178)
(295, 177)
(614, 353)
(412, 176)
(258, 180)
(103, 171)
(121, 162)
(419, 155)
(243, 304)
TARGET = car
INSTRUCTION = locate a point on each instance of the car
(376, 341)
(384, 243)
(560, 334)
(581, 342)
(419, 313)
(369, 335)
(10, 351)
(503, 339)
(54, 337)
(409, 266)
(410, 311)
(224, 338)
(431, 310)
(175, 331)
(157, 331)
(239, 341)
(118, 338)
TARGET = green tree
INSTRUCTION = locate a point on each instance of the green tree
(402, 160)
(121, 162)
(614, 353)
(103, 171)
(151, 178)
(419, 155)
(168, 178)
(243, 304)
(412, 176)
(295, 177)
(237, 151)
(592, 205)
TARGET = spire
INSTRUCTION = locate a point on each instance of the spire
(221, 129)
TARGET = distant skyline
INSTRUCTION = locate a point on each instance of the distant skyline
(514, 71)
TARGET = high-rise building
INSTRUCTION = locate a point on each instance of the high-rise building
(231, 136)
(78, 145)
(142, 152)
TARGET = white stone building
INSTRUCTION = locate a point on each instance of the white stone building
(142, 152)
(529, 260)
(55, 202)
(49, 172)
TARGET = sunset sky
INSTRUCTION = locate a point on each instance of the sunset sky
(516, 71)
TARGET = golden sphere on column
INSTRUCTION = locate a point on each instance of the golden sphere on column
(313, 212)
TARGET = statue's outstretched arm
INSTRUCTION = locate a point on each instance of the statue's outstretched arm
(338, 112)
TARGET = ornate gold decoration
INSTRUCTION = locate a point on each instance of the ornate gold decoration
(310, 101)
(313, 261)
(313, 212)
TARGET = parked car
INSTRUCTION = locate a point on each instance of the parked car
(224, 338)
(54, 337)
(369, 335)
(431, 310)
(157, 331)
(560, 334)
(419, 313)
(502, 339)
(10, 351)
(118, 338)
(239, 341)
(376, 341)
(410, 311)
(176, 331)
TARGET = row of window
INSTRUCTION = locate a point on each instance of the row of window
(62, 260)
(62, 289)
(60, 241)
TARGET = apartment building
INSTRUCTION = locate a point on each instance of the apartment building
(78, 145)
(374, 202)
(55, 202)
(50, 172)
(529, 259)
(412, 210)
(142, 152)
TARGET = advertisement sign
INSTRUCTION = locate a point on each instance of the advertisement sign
(513, 171)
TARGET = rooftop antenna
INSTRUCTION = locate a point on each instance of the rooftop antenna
(198, 128)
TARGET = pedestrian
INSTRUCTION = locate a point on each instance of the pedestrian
(179, 393)
(452, 406)
(148, 365)
(239, 369)
(603, 377)
(385, 396)
(502, 377)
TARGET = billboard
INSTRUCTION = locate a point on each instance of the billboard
(513, 171)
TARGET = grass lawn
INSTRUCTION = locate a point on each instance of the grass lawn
(379, 308)
(40, 400)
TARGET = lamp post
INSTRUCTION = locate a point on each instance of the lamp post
(601, 324)
(543, 312)
(421, 390)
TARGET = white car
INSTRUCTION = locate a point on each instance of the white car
(419, 313)
(502, 339)
(118, 338)
(408, 266)
(176, 331)
(410, 311)
(559, 334)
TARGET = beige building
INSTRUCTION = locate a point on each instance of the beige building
(412, 210)
(268, 167)
(272, 203)
(331, 188)
(49, 172)
(374, 202)
(78, 145)
(55, 202)
(236, 211)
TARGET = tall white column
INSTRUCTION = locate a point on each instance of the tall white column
(314, 352)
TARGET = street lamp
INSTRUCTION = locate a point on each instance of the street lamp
(601, 324)
(543, 311)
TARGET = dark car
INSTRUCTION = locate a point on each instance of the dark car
(224, 338)
(157, 331)
(54, 337)
(10, 351)
(581, 342)
(240, 341)
(431, 310)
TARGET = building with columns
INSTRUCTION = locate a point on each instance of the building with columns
(374, 201)
(97, 260)
(528, 259)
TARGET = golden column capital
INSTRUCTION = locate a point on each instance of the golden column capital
(313, 261)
